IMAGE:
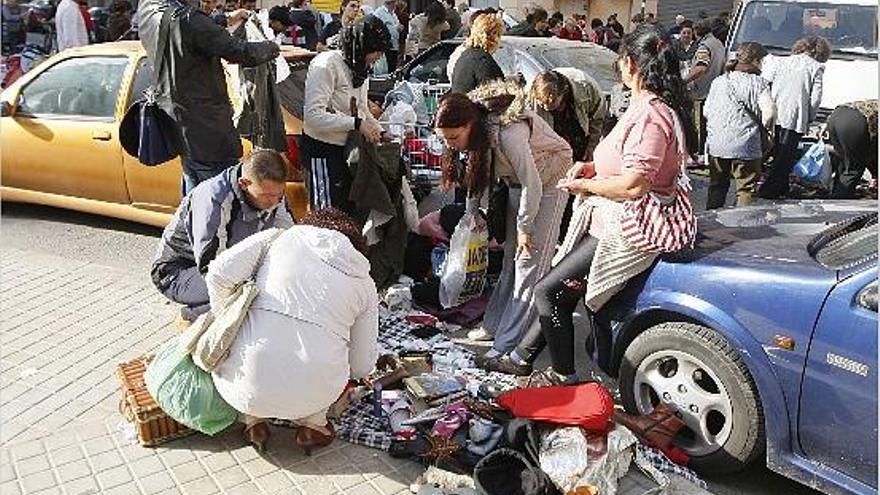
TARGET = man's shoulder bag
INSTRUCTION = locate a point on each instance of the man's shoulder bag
(147, 132)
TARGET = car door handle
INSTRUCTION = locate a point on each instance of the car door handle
(101, 135)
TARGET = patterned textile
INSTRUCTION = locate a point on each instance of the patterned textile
(655, 464)
(357, 424)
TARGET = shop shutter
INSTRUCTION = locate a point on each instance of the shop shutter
(668, 9)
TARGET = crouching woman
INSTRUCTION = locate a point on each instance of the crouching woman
(312, 326)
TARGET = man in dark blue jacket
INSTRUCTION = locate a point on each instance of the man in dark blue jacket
(220, 212)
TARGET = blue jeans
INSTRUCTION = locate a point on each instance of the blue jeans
(197, 171)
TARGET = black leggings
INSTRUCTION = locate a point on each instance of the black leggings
(556, 297)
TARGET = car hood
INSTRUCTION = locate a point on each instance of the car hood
(772, 235)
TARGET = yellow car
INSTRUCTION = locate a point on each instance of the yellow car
(59, 139)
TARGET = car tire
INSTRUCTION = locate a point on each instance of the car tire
(679, 345)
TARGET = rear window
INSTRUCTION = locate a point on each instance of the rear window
(847, 244)
(851, 29)
(597, 62)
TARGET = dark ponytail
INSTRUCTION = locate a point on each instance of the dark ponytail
(653, 53)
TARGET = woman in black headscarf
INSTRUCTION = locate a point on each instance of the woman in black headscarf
(335, 104)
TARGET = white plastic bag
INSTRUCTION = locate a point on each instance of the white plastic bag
(464, 272)
(401, 119)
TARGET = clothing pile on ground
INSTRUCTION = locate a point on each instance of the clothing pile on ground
(497, 433)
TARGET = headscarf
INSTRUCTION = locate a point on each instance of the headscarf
(367, 35)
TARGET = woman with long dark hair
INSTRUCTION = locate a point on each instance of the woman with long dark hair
(643, 154)
(505, 140)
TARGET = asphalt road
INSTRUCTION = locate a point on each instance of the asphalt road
(131, 247)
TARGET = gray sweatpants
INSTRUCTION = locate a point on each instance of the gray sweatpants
(511, 309)
(188, 287)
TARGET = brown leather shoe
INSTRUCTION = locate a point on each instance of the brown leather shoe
(257, 435)
(658, 427)
(309, 437)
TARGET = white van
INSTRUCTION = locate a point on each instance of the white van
(849, 25)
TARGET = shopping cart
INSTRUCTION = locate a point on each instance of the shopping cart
(432, 92)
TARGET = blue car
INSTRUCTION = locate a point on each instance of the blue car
(764, 339)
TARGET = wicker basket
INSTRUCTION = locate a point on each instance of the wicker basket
(154, 427)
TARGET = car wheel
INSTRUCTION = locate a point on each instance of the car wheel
(697, 372)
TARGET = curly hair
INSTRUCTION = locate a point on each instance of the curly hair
(486, 31)
(338, 220)
(816, 47)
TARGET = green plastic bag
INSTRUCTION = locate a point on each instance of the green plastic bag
(186, 392)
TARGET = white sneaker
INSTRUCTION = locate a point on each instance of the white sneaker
(480, 335)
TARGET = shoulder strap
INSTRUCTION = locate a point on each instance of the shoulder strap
(265, 250)
(162, 43)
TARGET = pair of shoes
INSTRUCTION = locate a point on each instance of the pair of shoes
(480, 335)
(659, 427)
(257, 435)
(503, 364)
(544, 378)
(311, 437)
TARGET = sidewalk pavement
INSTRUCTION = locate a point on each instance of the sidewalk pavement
(65, 326)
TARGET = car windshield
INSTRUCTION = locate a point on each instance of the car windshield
(851, 29)
(846, 244)
(596, 62)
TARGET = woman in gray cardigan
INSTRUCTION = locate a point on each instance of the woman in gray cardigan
(738, 105)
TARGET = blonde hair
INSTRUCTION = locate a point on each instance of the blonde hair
(486, 31)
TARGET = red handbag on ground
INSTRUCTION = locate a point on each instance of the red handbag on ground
(587, 405)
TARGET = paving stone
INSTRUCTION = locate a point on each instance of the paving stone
(26, 450)
(126, 489)
(318, 486)
(390, 484)
(157, 483)
(275, 482)
(219, 461)
(7, 473)
(99, 445)
(83, 486)
(201, 486)
(363, 489)
(38, 481)
(176, 457)
(347, 480)
(54, 490)
(259, 467)
(146, 466)
(107, 460)
(244, 489)
(32, 465)
(10, 488)
(188, 472)
(114, 477)
(231, 477)
(74, 470)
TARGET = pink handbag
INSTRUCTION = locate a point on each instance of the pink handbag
(662, 224)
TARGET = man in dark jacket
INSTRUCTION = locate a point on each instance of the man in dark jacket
(217, 214)
(307, 34)
(192, 83)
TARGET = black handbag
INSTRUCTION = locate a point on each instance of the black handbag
(147, 132)
(496, 213)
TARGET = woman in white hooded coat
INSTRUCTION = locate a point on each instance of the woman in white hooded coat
(311, 328)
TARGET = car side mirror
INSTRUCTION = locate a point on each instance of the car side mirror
(867, 297)
(5, 109)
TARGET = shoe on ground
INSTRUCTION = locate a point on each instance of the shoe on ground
(503, 364)
(480, 335)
